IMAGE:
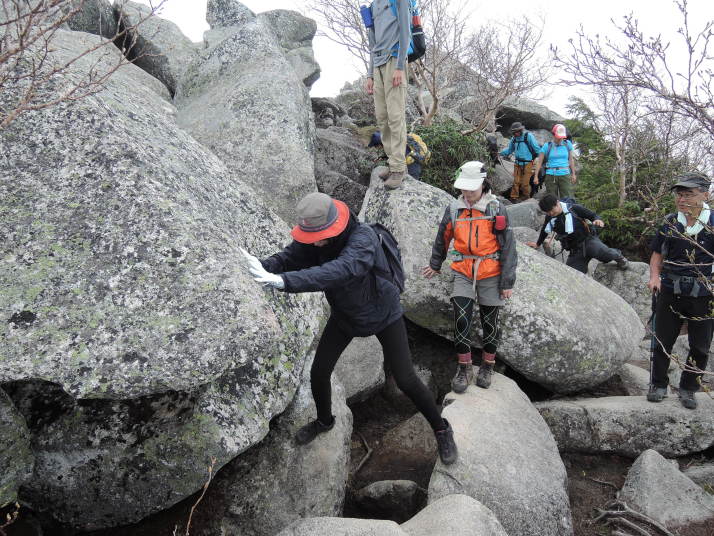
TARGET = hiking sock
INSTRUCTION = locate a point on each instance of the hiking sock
(464, 359)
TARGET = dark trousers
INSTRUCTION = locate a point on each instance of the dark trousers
(463, 314)
(671, 311)
(397, 356)
(591, 248)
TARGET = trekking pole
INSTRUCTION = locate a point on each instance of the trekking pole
(653, 337)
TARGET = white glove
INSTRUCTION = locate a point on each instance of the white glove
(260, 274)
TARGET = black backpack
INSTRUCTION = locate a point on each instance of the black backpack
(390, 246)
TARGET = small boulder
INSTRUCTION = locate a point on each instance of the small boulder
(508, 460)
(154, 44)
(454, 515)
(630, 284)
(702, 475)
(361, 368)
(629, 425)
(389, 499)
(295, 33)
(413, 439)
(656, 488)
(526, 214)
(525, 234)
(635, 380)
(340, 187)
(94, 16)
(501, 179)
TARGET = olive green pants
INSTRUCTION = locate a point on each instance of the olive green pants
(559, 185)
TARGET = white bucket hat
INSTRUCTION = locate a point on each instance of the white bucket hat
(470, 176)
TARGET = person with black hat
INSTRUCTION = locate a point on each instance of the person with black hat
(681, 279)
(334, 253)
(524, 144)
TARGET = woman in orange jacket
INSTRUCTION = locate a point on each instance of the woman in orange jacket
(484, 268)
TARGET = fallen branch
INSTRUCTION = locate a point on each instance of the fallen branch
(603, 482)
(366, 456)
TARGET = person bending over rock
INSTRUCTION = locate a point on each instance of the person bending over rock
(681, 277)
(334, 253)
(569, 222)
(484, 269)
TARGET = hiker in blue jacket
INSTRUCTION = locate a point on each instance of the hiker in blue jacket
(524, 144)
(557, 157)
(681, 278)
(334, 253)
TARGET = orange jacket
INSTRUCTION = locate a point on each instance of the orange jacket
(471, 237)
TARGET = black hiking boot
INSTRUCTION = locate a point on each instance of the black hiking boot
(686, 397)
(484, 374)
(656, 394)
(446, 444)
(464, 376)
(622, 263)
(311, 430)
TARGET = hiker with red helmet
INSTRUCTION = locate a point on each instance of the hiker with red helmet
(485, 268)
(334, 253)
(557, 158)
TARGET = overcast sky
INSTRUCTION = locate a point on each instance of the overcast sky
(561, 20)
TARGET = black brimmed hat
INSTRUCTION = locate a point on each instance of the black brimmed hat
(692, 180)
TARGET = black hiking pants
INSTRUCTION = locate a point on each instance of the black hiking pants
(397, 356)
(672, 310)
(591, 248)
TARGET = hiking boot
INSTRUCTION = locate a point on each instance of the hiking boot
(656, 394)
(686, 397)
(395, 180)
(384, 175)
(311, 430)
(464, 376)
(484, 374)
(446, 444)
(622, 263)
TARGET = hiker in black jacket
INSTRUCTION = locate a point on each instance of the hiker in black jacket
(569, 222)
(334, 253)
(681, 278)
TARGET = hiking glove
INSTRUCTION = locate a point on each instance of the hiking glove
(260, 274)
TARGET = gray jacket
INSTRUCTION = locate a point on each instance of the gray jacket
(389, 34)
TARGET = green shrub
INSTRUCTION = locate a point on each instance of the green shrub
(449, 149)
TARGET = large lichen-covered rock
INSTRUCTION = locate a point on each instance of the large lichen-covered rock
(295, 34)
(560, 328)
(16, 460)
(279, 481)
(121, 284)
(629, 425)
(243, 100)
(156, 45)
(508, 460)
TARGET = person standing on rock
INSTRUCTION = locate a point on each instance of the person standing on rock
(557, 157)
(334, 253)
(524, 144)
(389, 36)
(570, 222)
(485, 268)
(681, 276)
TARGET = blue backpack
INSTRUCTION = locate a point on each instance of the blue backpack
(417, 42)
(390, 246)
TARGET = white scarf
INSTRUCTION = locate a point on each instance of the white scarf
(702, 220)
(568, 220)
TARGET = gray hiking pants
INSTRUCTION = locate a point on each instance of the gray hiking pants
(591, 248)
